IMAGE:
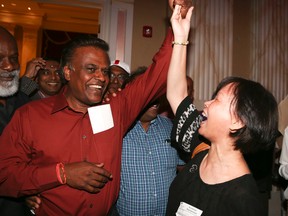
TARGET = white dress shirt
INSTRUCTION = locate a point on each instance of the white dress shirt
(283, 169)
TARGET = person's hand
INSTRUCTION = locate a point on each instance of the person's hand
(33, 67)
(110, 93)
(90, 177)
(33, 202)
(186, 4)
(180, 26)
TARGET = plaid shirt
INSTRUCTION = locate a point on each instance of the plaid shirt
(148, 167)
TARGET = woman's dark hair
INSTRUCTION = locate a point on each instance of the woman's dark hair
(82, 41)
(257, 108)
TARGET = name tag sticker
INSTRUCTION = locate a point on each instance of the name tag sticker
(188, 210)
(101, 118)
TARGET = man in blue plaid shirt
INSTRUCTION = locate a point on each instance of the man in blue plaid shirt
(149, 164)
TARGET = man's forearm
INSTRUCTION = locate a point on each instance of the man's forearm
(27, 85)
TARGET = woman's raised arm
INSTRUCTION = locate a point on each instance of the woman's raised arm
(176, 80)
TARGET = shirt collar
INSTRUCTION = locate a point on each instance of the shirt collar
(154, 121)
(60, 101)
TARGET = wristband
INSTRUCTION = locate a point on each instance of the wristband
(180, 43)
(58, 167)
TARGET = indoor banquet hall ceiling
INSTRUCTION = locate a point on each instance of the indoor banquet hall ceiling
(54, 13)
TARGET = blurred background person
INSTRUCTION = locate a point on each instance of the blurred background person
(46, 74)
(149, 163)
(119, 73)
(10, 100)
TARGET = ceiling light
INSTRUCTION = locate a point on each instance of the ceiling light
(29, 8)
(13, 4)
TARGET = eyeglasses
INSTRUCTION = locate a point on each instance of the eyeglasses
(121, 77)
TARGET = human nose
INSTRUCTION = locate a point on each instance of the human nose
(54, 75)
(207, 103)
(8, 65)
(99, 75)
(114, 79)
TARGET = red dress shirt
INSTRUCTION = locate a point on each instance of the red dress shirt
(46, 132)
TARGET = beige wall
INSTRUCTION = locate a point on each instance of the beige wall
(246, 38)
(151, 13)
(241, 40)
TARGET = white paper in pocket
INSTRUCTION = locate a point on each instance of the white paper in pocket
(101, 118)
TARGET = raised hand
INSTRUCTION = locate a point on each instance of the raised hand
(176, 79)
(111, 92)
(185, 5)
(33, 67)
(180, 26)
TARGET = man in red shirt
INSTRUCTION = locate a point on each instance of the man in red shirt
(49, 147)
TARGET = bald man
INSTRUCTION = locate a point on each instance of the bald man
(10, 100)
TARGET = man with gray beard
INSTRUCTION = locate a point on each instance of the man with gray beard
(10, 100)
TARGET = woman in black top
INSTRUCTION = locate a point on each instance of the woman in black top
(241, 118)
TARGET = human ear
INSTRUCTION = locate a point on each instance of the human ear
(236, 125)
(66, 71)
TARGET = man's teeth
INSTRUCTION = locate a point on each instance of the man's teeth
(53, 83)
(95, 86)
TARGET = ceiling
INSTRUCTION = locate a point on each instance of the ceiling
(66, 15)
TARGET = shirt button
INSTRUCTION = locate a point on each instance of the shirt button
(84, 137)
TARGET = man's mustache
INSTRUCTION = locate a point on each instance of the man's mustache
(9, 74)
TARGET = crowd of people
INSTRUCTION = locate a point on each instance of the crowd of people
(52, 161)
